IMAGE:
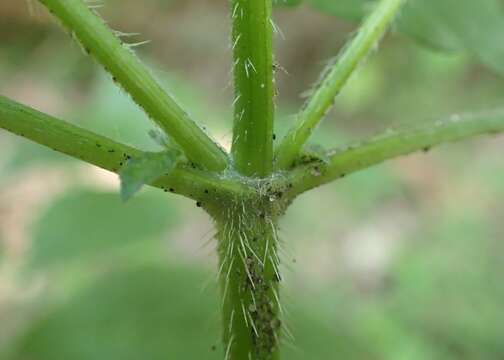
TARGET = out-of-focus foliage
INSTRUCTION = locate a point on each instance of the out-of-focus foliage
(455, 25)
(149, 312)
(83, 224)
(287, 2)
(433, 306)
(400, 262)
(464, 275)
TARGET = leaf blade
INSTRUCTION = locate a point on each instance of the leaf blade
(449, 25)
(145, 169)
(81, 225)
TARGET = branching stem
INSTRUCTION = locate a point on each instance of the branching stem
(333, 80)
(391, 145)
(103, 152)
(247, 203)
(127, 70)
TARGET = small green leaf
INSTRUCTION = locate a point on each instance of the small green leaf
(316, 151)
(160, 138)
(143, 170)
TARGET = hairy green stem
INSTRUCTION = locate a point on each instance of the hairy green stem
(391, 145)
(334, 78)
(249, 276)
(103, 152)
(127, 70)
(252, 147)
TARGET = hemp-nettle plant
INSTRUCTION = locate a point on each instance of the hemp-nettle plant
(247, 190)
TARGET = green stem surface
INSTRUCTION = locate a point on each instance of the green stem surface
(249, 275)
(334, 78)
(391, 145)
(103, 152)
(126, 69)
(252, 147)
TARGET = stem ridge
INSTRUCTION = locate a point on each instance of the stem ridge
(252, 35)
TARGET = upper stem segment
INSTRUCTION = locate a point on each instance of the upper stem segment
(334, 78)
(118, 59)
(253, 73)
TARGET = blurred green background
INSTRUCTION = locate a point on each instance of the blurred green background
(402, 261)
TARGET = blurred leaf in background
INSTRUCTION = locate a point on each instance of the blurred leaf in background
(82, 224)
(153, 312)
(448, 288)
(287, 2)
(456, 25)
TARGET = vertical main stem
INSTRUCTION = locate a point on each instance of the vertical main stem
(249, 278)
(253, 76)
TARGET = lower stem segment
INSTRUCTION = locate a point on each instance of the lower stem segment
(249, 277)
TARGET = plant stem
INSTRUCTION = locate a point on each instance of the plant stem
(127, 70)
(253, 74)
(334, 78)
(391, 145)
(103, 152)
(249, 277)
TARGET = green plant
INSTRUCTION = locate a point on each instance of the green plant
(248, 190)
